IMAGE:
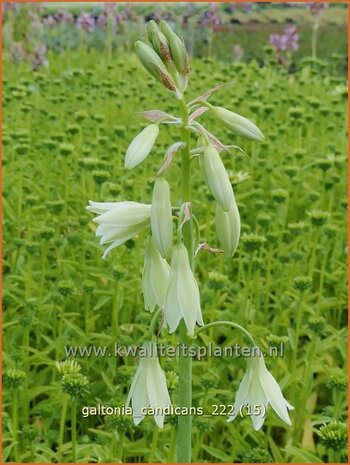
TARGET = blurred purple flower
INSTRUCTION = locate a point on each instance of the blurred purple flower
(86, 22)
(63, 16)
(49, 21)
(38, 57)
(211, 17)
(316, 8)
(17, 52)
(287, 42)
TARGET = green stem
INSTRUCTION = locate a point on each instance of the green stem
(184, 430)
(314, 40)
(15, 424)
(62, 428)
(227, 323)
(121, 447)
(74, 429)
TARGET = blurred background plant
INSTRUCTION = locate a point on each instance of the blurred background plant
(209, 29)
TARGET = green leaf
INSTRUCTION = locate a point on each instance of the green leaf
(218, 454)
(302, 455)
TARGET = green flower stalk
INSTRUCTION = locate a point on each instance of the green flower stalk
(171, 293)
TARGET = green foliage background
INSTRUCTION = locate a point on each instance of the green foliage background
(66, 129)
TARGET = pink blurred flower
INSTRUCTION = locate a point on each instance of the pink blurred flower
(287, 42)
(86, 22)
(317, 8)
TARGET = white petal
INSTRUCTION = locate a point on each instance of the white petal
(187, 290)
(157, 390)
(172, 313)
(141, 146)
(241, 395)
(257, 398)
(125, 214)
(140, 397)
(274, 395)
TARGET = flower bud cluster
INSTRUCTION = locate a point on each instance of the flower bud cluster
(165, 57)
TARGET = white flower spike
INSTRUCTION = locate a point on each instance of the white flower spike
(119, 221)
(161, 217)
(155, 277)
(141, 146)
(259, 388)
(148, 387)
(182, 298)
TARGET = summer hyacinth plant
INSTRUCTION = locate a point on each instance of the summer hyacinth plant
(173, 289)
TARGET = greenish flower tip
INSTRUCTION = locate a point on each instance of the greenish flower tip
(74, 384)
(89, 286)
(14, 378)
(66, 149)
(252, 241)
(297, 228)
(302, 283)
(68, 366)
(317, 325)
(334, 435)
(66, 288)
(257, 455)
(217, 280)
(209, 381)
(100, 176)
(279, 195)
(263, 218)
(337, 382)
(275, 340)
(318, 217)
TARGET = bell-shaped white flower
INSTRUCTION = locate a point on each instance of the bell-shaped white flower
(148, 387)
(257, 390)
(216, 177)
(119, 221)
(238, 124)
(182, 298)
(228, 228)
(155, 277)
(141, 146)
(161, 216)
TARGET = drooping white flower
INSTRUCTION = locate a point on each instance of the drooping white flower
(216, 177)
(155, 277)
(148, 387)
(228, 228)
(182, 298)
(238, 124)
(161, 216)
(259, 388)
(141, 146)
(119, 221)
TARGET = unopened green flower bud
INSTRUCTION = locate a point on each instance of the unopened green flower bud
(237, 124)
(216, 178)
(154, 277)
(161, 217)
(228, 227)
(141, 146)
(154, 65)
(178, 52)
(159, 42)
